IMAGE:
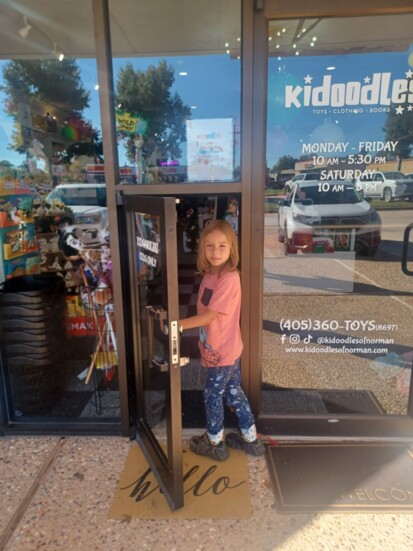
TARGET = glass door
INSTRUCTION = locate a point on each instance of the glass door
(152, 338)
(336, 307)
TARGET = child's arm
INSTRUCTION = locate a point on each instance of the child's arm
(199, 320)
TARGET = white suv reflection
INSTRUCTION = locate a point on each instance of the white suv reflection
(299, 178)
(327, 217)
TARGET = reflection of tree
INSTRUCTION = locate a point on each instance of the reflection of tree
(284, 163)
(148, 94)
(49, 80)
(399, 127)
(46, 98)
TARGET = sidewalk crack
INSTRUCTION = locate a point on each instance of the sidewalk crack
(26, 501)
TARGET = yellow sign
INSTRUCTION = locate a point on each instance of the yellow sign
(126, 123)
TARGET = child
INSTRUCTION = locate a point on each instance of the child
(218, 307)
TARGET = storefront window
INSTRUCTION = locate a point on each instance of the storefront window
(177, 90)
(337, 306)
(58, 342)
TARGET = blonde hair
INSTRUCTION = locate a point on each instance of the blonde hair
(202, 264)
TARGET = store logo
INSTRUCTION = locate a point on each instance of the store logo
(376, 90)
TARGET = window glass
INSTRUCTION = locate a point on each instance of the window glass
(177, 90)
(58, 342)
(337, 306)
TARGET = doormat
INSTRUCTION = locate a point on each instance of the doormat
(341, 477)
(211, 489)
(319, 401)
(351, 401)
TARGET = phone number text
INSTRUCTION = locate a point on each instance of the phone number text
(334, 325)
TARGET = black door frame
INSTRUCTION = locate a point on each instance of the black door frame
(167, 465)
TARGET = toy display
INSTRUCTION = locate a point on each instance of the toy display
(97, 298)
(19, 253)
(94, 307)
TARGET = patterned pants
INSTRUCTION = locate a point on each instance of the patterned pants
(223, 385)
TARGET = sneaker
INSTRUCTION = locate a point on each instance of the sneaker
(236, 441)
(202, 445)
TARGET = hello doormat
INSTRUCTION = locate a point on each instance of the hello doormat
(341, 477)
(211, 489)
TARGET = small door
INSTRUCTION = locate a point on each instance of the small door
(152, 336)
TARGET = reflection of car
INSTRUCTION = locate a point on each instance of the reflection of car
(304, 177)
(328, 216)
(88, 203)
(386, 185)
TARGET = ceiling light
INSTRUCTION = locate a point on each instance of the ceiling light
(24, 31)
(183, 74)
(58, 53)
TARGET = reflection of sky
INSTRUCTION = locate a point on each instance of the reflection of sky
(213, 84)
(6, 129)
(288, 128)
(212, 88)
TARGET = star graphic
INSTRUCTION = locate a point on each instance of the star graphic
(409, 73)
(399, 110)
(410, 107)
(308, 79)
(367, 80)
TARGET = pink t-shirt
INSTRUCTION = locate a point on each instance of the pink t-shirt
(220, 342)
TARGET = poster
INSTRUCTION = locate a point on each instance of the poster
(210, 149)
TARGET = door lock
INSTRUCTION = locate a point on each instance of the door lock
(172, 331)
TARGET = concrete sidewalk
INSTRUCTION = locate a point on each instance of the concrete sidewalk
(56, 493)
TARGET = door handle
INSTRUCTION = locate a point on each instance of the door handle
(159, 364)
(155, 361)
(406, 238)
